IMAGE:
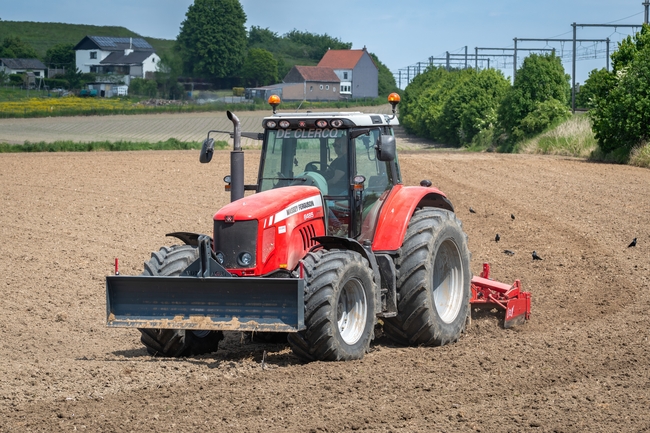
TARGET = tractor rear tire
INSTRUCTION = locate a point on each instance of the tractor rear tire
(171, 261)
(433, 281)
(339, 307)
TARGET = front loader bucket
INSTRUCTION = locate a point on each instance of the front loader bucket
(213, 303)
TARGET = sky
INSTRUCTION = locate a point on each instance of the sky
(405, 35)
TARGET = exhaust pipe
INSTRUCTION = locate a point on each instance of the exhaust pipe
(236, 161)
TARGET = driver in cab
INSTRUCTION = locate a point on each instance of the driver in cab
(337, 177)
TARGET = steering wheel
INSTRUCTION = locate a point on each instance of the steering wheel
(311, 178)
(313, 166)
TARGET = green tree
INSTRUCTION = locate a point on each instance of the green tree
(60, 55)
(597, 86)
(540, 78)
(170, 68)
(620, 118)
(315, 46)
(14, 48)
(212, 39)
(260, 68)
(259, 37)
(472, 105)
(74, 78)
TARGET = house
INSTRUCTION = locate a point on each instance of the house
(18, 66)
(116, 59)
(356, 70)
(311, 83)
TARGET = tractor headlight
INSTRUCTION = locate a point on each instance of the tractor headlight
(245, 259)
(220, 257)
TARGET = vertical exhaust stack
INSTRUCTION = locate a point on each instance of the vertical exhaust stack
(236, 161)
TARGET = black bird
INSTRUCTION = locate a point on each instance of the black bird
(497, 238)
(512, 216)
(633, 243)
(508, 252)
(471, 210)
(535, 256)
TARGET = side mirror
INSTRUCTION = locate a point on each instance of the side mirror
(207, 150)
(385, 147)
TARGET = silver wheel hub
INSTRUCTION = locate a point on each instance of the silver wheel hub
(352, 311)
(448, 281)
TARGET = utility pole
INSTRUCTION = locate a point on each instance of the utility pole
(447, 60)
(514, 62)
(646, 4)
(465, 56)
(573, 73)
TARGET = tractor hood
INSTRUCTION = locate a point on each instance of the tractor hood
(273, 205)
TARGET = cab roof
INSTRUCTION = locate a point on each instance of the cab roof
(356, 117)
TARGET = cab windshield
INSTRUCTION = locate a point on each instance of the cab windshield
(297, 157)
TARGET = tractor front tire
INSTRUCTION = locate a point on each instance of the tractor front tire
(171, 261)
(433, 281)
(339, 307)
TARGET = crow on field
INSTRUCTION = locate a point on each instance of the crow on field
(633, 243)
(535, 256)
(512, 216)
(508, 252)
(471, 210)
(497, 238)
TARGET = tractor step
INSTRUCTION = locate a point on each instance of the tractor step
(489, 293)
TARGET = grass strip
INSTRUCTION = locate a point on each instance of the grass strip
(111, 146)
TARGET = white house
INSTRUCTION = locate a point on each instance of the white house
(18, 66)
(124, 58)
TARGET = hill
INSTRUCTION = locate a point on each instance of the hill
(42, 36)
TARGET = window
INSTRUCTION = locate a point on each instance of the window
(327, 87)
(311, 88)
(334, 88)
(321, 87)
(93, 54)
(345, 75)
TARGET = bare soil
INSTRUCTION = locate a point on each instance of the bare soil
(580, 364)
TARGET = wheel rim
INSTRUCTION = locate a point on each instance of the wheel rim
(352, 311)
(448, 281)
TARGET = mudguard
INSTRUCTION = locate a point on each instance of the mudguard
(397, 210)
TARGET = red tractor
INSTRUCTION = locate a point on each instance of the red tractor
(330, 242)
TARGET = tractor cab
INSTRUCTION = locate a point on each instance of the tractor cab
(349, 156)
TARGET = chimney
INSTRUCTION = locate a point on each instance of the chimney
(130, 49)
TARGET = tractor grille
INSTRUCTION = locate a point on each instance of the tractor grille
(308, 232)
(232, 239)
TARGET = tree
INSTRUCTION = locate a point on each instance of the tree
(60, 56)
(620, 116)
(14, 48)
(212, 40)
(472, 105)
(170, 67)
(540, 78)
(598, 85)
(260, 68)
(315, 46)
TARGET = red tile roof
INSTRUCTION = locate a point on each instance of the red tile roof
(341, 59)
(316, 73)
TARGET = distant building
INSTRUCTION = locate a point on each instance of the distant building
(356, 70)
(311, 83)
(117, 59)
(18, 66)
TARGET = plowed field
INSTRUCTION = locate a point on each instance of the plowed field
(580, 364)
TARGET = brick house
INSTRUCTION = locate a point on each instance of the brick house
(311, 83)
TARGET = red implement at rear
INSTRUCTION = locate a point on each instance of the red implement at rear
(511, 298)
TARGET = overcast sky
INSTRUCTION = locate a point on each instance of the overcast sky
(401, 33)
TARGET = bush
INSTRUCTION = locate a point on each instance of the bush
(598, 85)
(452, 106)
(238, 91)
(142, 87)
(17, 79)
(54, 83)
(546, 115)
